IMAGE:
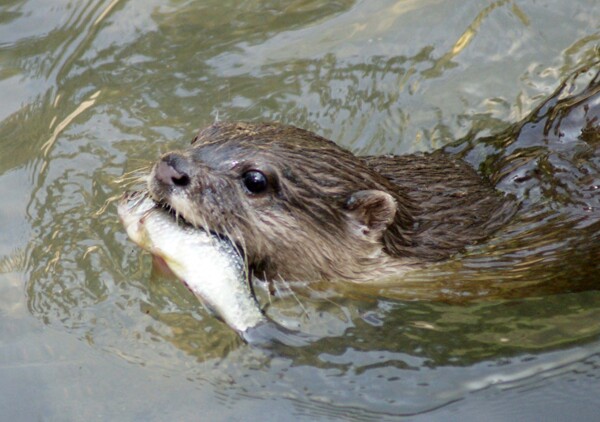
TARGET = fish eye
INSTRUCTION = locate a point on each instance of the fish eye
(255, 181)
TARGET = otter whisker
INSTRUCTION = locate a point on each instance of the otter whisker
(295, 296)
(111, 200)
(140, 174)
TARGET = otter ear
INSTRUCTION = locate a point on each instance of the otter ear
(373, 211)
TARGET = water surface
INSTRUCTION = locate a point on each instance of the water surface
(92, 90)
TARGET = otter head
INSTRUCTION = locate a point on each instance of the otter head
(299, 206)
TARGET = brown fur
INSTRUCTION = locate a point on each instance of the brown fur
(327, 213)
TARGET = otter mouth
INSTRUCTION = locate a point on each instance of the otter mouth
(162, 199)
(179, 218)
(168, 185)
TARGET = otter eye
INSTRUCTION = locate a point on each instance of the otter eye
(255, 181)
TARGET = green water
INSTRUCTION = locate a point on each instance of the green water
(91, 90)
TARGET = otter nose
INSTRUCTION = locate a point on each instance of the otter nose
(173, 170)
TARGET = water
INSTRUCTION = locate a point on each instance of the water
(92, 90)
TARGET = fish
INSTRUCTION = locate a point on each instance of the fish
(209, 265)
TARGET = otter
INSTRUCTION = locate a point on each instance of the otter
(302, 208)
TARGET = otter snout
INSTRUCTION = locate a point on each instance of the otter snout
(172, 178)
(173, 170)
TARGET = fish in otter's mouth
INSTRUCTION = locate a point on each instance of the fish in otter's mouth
(209, 265)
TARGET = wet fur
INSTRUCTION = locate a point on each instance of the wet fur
(329, 214)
